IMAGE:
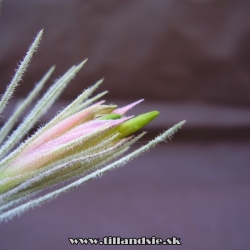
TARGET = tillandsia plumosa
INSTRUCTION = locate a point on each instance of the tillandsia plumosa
(81, 142)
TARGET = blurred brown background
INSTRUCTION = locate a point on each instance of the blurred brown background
(190, 60)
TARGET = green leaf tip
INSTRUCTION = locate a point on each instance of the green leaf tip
(129, 127)
(110, 117)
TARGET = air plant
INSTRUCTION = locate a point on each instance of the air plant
(81, 142)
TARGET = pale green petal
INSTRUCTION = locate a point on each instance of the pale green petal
(14, 117)
(40, 108)
(19, 73)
